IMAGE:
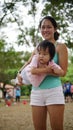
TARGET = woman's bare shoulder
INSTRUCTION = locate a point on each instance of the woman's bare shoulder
(61, 46)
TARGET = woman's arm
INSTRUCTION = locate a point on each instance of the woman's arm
(63, 58)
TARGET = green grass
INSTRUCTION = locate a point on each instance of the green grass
(1, 103)
(24, 97)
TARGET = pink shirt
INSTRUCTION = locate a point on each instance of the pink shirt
(35, 80)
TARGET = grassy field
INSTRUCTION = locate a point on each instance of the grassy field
(19, 117)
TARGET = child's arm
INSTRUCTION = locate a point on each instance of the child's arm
(52, 69)
(43, 70)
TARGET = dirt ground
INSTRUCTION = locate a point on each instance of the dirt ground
(18, 117)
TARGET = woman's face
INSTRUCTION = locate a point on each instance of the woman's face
(47, 30)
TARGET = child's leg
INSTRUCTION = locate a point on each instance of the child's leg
(19, 79)
(22, 78)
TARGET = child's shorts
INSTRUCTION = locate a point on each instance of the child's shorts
(44, 97)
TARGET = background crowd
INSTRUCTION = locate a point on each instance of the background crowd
(68, 91)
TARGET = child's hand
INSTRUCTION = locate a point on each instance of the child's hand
(56, 70)
(49, 69)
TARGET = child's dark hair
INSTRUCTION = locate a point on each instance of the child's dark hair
(51, 48)
(52, 20)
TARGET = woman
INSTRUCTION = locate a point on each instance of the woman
(49, 95)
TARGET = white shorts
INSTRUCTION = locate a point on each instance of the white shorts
(44, 97)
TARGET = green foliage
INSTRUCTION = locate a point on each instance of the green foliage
(27, 56)
(69, 75)
(25, 90)
(11, 62)
(2, 45)
(61, 10)
(72, 59)
(10, 59)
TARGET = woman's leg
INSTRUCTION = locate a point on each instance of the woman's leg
(56, 113)
(39, 114)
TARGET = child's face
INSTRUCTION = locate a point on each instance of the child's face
(44, 56)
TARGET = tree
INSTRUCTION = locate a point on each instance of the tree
(62, 10)
(69, 75)
(10, 62)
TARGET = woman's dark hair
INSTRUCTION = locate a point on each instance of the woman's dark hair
(52, 20)
(47, 44)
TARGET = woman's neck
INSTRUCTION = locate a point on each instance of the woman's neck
(53, 41)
